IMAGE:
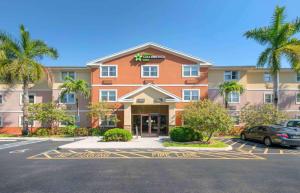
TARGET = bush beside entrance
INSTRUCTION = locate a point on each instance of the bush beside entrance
(185, 134)
(117, 134)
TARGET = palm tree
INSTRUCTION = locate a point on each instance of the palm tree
(78, 87)
(227, 87)
(280, 41)
(20, 63)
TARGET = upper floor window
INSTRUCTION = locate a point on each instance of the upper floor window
(267, 77)
(298, 97)
(268, 98)
(64, 75)
(31, 99)
(108, 95)
(191, 94)
(1, 99)
(150, 71)
(298, 76)
(231, 75)
(68, 98)
(108, 71)
(190, 70)
(234, 97)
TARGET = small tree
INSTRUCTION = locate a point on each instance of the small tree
(227, 87)
(207, 117)
(102, 110)
(49, 114)
(267, 114)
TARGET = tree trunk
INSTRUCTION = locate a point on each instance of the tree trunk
(276, 89)
(226, 100)
(25, 101)
(209, 137)
(77, 106)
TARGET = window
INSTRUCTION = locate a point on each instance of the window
(298, 98)
(21, 120)
(64, 75)
(298, 76)
(190, 70)
(149, 71)
(191, 95)
(1, 121)
(31, 98)
(236, 119)
(108, 71)
(267, 77)
(108, 121)
(108, 95)
(1, 99)
(231, 75)
(68, 98)
(268, 98)
(233, 97)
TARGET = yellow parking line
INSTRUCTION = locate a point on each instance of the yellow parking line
(110, 152)
(45, 154)
(281, 151)
(72, 151)
(266, 150)
(241, 146)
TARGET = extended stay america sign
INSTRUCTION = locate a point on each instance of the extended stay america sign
(147, 57)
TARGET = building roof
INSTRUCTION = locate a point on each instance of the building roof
(98, 61)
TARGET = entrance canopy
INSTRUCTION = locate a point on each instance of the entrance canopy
(149, 94)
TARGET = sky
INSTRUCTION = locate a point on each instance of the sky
(82, 31)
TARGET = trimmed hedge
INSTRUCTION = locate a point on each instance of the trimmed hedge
(42, 132)
(117, 134)
(96, 132)
(185, 134)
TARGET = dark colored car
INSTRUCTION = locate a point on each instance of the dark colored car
(273, 134)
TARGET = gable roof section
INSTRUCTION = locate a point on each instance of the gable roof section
(126, 97)
(98, 61)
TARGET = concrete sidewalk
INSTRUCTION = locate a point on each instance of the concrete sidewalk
(140, 143)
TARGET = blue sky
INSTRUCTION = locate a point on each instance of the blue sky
(85, 30)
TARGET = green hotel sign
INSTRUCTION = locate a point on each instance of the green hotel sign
(146, 57)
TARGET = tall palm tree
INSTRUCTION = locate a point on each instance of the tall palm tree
(280, 41)
(78, 87)
(227, 87)
(20, 62)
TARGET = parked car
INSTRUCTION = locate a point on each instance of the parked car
(295, 123)
(273, 134)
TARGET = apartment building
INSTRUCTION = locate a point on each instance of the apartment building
(149, 85)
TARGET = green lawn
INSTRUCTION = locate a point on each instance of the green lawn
(214, 144)
(7, 135)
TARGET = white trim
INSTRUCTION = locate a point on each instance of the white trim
(155, 87)
(296, 98)
(183, 100)
(138, 85)
(21, 90)
(235, 102)
(265, 97)
(63, 70)
(237, 78)
(190, 65)
(68, 103)
(108, 65)
(21, 101)
(149, 65)
(100, 95)
(142, 47)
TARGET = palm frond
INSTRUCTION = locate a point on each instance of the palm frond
(278, 18)
(261, 35)
(263, 58)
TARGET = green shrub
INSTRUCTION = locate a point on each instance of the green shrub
(96, 132)
(117, 134)
(185, 134)
(81, 132)
(67, 130)
(42, 132)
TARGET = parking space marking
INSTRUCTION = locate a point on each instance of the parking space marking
(266, 150)
(144, 154)
(19, 143)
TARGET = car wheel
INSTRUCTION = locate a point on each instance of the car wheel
(267, 141)
(243, 136)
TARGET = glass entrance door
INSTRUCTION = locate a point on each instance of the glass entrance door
(145, 125)
(149, 125)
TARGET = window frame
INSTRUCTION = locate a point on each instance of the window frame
(272, 98)
(230, 97)
(32, 94)
(231, 79)
(68, 72)
(68, 103)
(108, 65)
(190, 65)
(264, 77)
(149, 65)
(297, 102)
(21, 124)
(199, 96)
(108, 126)
(100, 95)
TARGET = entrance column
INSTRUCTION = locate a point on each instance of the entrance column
(127, 116)
(172, 115)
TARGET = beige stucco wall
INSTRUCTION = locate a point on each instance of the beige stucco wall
(216, 77)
